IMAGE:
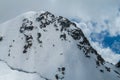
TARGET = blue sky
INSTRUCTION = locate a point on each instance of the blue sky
(99, 19)
(113, 43)
(107, 41)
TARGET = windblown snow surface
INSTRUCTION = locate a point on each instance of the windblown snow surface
(42, 46)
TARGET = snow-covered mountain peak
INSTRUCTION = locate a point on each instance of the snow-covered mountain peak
(52, 47)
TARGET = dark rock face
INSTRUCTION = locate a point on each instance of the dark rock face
(108, 69)
(102, 71)
(76, 34)
(118, 65)
(116, 72)
(61, 73)
(63, 36)
(28, 42)
(25, 27)
(38, 37)
(45, 19)
(1, 38)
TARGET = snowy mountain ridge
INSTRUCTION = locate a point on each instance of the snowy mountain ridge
(53, 48)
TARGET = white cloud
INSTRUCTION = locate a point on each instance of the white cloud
(116, 29)
(106, 53)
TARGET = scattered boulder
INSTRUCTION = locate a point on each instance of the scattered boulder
(28, 39)
(101, 70)
(63, 36)
(108, 69)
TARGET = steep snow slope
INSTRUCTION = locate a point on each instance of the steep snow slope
(7, 74)
(53, 48)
